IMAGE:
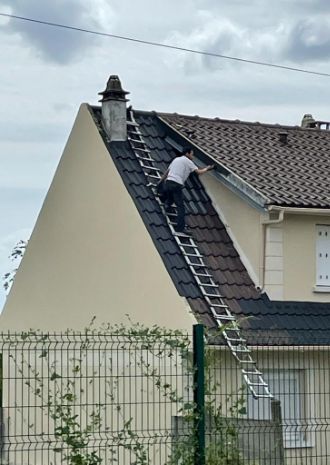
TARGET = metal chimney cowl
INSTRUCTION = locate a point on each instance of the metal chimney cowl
(308, 121)
(114, 109)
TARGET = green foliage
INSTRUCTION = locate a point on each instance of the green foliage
(16, 255)
(64, 396)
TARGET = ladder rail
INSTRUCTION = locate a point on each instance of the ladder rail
(195, 261)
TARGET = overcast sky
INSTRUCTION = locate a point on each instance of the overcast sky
(46, 73)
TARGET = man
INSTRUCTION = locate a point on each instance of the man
(175, 178)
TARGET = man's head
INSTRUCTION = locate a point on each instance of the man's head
(188, 152)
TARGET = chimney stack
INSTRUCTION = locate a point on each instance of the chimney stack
(114, 109)
(308, 121)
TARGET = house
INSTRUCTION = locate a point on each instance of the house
(102, 245)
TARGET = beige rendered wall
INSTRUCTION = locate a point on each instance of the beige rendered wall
(280, 257)
(243, 223)
(90, 253)
(299, 243)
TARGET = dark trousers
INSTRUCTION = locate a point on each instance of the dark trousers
(174, 194)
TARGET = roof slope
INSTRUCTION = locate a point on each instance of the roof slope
(208, 231)
(295, 174)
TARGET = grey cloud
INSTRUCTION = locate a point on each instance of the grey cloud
(308, 40)
(36, 132)
(315, 5)
(53, 44)
(225, 37)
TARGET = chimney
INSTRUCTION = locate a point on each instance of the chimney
(308, 121)
(114, 109)
(283, 137)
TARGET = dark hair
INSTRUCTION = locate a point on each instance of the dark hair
(186, 149)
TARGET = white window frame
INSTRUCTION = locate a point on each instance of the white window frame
(322, 272)
(287, 386)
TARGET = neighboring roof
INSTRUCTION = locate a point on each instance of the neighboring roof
(208, 231)
(286, 323)
(292, 174)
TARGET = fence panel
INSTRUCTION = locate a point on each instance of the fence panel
(297, 433)
(86, 398)
(128, 398)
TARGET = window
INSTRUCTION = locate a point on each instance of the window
(287, 386)
(323, 255)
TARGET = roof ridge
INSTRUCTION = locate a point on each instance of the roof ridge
(238, 121)
(224, 120)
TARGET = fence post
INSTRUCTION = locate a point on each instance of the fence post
(277, 419)
(199, 393)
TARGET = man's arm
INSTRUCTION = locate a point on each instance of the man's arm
(164, 176)
(204, 170)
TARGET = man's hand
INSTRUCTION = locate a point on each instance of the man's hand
(204, 170)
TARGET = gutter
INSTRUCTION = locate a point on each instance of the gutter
(300, 210)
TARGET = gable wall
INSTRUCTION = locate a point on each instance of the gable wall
(90, 253)
(243, 224)
(280, 257)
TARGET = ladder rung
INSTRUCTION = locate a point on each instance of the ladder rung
(243, 350)
(215, 286)
(208, 294)
(189, 245)
(219, 305)
(153, 175)
(232, 339)
(205, 275)
(215, 296)
(142, 159)
(196, 264)
(180, 233)
(136, 141)
(189, 242)
(248, 372)
(188, 254)
(141, 149)
(149, 167)
(174, 214)
(246, 362)
(223, 317)
(261, 396)
(132, 123)
(250, 383)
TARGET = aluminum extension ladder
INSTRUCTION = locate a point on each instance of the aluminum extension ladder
(204, 279)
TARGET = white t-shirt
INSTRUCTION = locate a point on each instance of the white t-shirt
(180, 168)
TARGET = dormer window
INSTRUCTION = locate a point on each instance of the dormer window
(323, 256)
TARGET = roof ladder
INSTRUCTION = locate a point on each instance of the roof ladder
(203, 276)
